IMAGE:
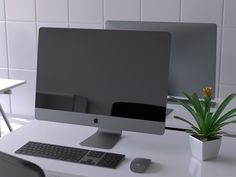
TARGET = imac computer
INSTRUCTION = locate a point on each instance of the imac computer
(111, 79)
(193, 53)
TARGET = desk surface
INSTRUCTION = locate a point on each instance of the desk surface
(170, 153)
(7, 84)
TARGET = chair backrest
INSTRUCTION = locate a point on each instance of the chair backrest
(11, 166)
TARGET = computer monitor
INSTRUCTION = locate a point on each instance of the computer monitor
(111, 79)
(193, 53)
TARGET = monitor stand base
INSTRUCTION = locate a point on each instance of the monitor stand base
(103, 138)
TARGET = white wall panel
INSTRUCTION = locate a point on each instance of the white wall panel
(2, 11)
(56, 25)
(225, 90)
(52, 10)
(23, 97)
(20, 10)
(86, 11)
(87, 25)
(22, 45)
(228, 67)
(3, 45)
(218, 60)
(122, 10)
(230, 13)
(3, 73)
(160, 10)
(209, 11)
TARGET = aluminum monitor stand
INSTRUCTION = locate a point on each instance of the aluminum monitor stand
(103, 138)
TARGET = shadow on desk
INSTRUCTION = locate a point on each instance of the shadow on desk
(154, 168)
(228, 160)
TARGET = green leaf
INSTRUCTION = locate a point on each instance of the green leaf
(208, 121)
(192, 101)
(198, 114)
(208, 124)
(227, 115)
(207, 104)
(200, 121)
(223, 105)
(226, 123)
(213, 134)
(186, 106)
(188, 122)
(189, 109)
(183, 104)
(197, 105)
(224, 118)
(221, 124)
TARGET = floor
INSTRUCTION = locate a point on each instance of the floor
(15, 123)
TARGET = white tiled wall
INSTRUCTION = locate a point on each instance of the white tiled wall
(3, 45)
(21, 19)
(228, 54)
(160, 10)
(22, 46)
(52, 11)
(86, 11)
(122, 10)
(228, 57)
(229, 14)
(202, 11)
(2, 12)
(24, 96)
(23, 10)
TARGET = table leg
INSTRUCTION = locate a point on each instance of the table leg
(5, 118)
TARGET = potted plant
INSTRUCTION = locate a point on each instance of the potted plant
(205, 137)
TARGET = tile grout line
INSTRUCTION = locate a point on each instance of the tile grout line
(68, 14)
(35, 12)
(7, 48)
(36, 25)
(141, 6)
(221, 48)
(180, 10)
(103, 13)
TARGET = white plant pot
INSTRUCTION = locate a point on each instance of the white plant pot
(204, 150)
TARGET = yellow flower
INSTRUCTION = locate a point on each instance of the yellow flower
(207, 91)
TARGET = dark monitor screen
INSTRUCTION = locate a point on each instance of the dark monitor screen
(82, 73)
(193, 53)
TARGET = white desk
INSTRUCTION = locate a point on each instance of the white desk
(8, 84)
(170, 153)
(5, 88)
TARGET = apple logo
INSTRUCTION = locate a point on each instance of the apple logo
(95, 120)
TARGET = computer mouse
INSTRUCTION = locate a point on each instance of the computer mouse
(139, 165)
